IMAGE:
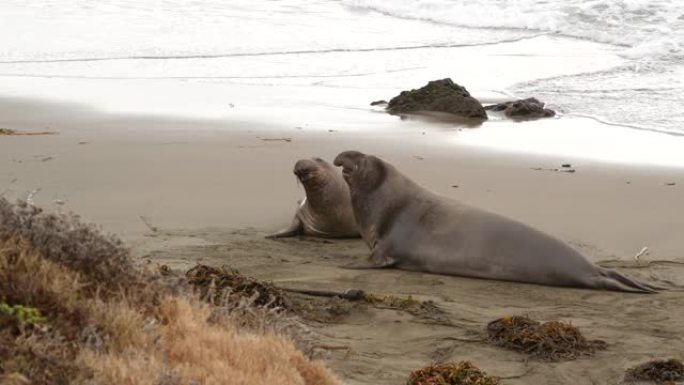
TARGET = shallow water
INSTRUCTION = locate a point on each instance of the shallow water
(617, 62)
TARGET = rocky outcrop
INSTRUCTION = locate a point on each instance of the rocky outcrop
(523, 109)
(438, 95)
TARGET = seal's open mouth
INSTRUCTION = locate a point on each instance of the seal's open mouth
(346, 173)
(349, 161)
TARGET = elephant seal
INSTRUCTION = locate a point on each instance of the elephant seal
(408, 227)
(326, 210)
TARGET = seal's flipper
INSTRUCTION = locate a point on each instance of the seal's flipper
(295, 228)
(370, 265)
(612, 280)
(379, 259)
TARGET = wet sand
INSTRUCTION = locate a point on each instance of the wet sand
(212, 189)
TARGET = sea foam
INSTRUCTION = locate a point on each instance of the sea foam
(650, 29)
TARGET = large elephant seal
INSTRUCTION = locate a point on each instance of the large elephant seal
(326, 210)
(409, 227)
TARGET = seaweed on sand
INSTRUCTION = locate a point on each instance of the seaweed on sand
(226, 284)
(659, 371)
(227, 287)
(422, 309)
(9, 131)
(459, 373)
(553, 341)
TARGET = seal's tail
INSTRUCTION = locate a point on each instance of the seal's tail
(612, 280)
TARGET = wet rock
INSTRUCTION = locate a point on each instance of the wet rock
(523, 109)
(379, 103)
(438, 95)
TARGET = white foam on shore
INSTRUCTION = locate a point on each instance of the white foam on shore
(650, 28)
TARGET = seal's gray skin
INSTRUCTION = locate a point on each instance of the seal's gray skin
(326, 210)
(409, 227)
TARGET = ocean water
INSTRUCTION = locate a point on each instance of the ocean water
(620, 62)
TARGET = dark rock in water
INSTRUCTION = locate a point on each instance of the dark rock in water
(438, 95)
(379, 102)
(529, 108)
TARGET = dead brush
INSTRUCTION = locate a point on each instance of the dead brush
(102, 260)
(658, 371)
(73, 319)
(553, 341)
(218, 353)
(247, 315)
(107, 321)
(459, 373)
(250, 304)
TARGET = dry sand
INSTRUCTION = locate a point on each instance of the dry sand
(213, 189)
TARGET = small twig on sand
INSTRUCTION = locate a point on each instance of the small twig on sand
(465, 339)
(29, 197)
(568, 170)
(641, 253)
(350, 294)
(276, 139)
(154, 229)
(334, 347)
(638, 264)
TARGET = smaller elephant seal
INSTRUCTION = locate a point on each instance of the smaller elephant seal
(409, 227)
(326, 210)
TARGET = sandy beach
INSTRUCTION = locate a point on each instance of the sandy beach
(183, 191)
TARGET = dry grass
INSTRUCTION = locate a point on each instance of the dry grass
(108, 321)
(218, 354)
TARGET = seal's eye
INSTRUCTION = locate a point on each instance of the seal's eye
(304, 172)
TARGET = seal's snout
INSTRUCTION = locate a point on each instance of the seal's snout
(304, 168)
(348, 160)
